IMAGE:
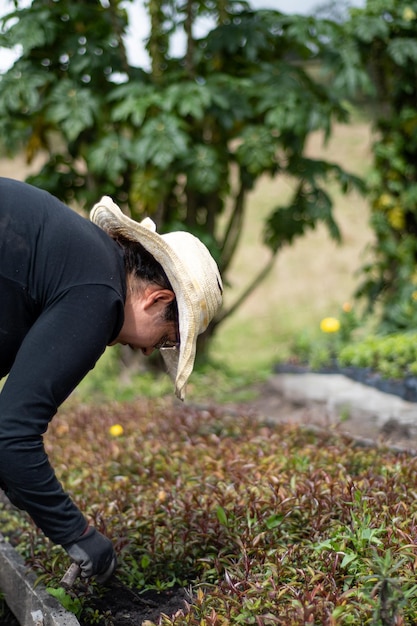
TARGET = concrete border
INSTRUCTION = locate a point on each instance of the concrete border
(32, 606)
(338, 394)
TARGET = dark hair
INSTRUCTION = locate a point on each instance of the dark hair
(140, 264)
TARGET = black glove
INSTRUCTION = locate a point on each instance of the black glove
(94, 554)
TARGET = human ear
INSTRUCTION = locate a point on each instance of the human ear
(159, 296)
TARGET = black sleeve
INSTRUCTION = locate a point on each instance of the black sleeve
(60, 348)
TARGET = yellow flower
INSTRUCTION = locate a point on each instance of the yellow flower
(116, 430)
(384, 200)
(347, 307)
(409, 14)
(329, 325)
(396, 218)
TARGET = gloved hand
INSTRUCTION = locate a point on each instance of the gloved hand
(94, 554)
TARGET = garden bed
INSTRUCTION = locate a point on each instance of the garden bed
(217, 514)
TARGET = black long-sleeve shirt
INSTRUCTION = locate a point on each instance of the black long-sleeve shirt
(62, 293)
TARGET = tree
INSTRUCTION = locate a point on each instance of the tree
(186, 141)
(385, 33)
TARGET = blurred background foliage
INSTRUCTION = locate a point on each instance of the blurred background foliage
(385, 38)
(188, 139)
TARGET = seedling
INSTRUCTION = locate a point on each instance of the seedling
(73, 605)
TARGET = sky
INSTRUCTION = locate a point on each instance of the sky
(138, 29)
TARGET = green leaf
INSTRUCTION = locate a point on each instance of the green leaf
(133, 101)
(107, 156)
(73, 605)
(367, 28)
(231, 99)
(257, 150)
(348, 558)
(206, 173)
(72, 108)
(273, 521)
(145, 561)
(309, 207)
(187, 98)
(22, 95)
(403, 50)
(222, 516)
(29, 33)
(162, 141)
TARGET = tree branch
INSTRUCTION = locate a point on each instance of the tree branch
(188, 28)
(234, 229)
(247, 292)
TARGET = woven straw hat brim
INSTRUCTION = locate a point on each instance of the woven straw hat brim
(192, 272)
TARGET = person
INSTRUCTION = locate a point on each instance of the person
(69, 287)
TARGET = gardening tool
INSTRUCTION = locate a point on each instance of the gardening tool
(70, 576)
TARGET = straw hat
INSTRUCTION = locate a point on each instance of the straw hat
(192, 272)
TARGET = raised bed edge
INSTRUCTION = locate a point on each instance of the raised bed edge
(32, 606)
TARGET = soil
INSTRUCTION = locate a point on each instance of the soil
(7, 618)
(128, 608)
